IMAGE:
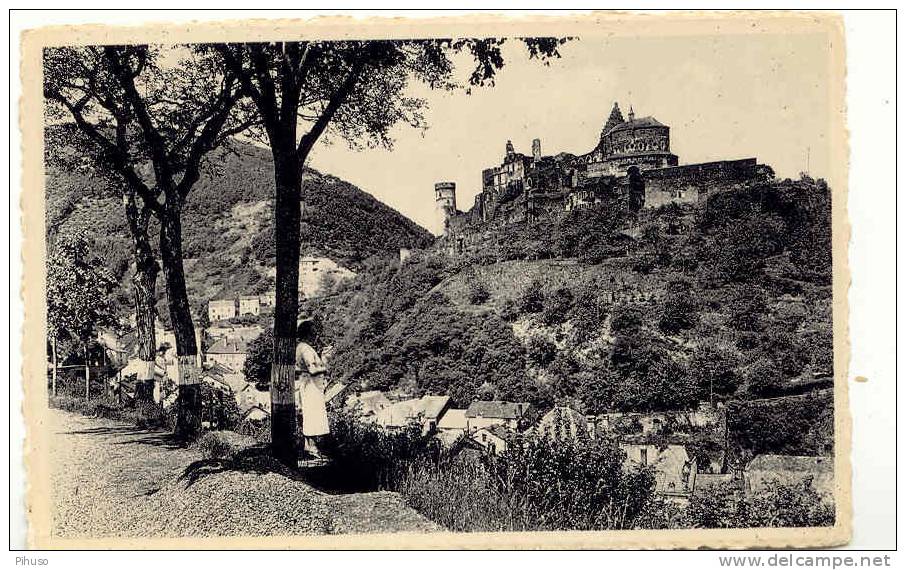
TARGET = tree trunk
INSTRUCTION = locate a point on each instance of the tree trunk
(144, 283)
(53, 372)
(143, 293)
(87, 375)
(286, 311)
(188, 398)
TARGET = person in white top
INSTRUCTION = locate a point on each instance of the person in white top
(311, 373)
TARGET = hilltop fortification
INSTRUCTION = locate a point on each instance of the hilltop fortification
(632, 162)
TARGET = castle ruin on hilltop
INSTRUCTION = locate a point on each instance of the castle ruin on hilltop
(632, 161)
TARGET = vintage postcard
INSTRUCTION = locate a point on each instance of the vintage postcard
(465, 282)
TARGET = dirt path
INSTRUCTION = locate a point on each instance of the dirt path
(111, 479)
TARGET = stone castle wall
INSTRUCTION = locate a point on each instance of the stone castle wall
(690, 184)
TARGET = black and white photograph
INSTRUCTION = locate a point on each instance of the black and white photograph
(444, 283)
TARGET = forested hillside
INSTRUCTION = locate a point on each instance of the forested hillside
(227, 222)
(605, 311)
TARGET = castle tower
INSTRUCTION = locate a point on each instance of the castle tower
(510, 151)
(615, 118)
(536, 150)
(445, 198)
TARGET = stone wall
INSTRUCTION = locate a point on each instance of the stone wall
(690, 184)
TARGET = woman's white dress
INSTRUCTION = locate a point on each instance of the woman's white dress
(311, 374)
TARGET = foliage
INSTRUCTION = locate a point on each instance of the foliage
(796, 505)
(557, 306)
(531, 300)
(679, 312)
(478, 291)
(536, 484)
(365, 457)
(795, 425)
(714, 371)
(257, 367)
(219, 408)
(144, 416)
(78, 291)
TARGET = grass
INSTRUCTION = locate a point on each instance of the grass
(145, 416)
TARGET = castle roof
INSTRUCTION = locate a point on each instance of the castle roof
(615, 118)
(644, 122)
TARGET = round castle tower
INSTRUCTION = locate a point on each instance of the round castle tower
(445, 198)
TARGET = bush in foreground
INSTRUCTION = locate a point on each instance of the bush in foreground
(537, 484)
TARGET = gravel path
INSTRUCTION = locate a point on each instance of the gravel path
(111, 479)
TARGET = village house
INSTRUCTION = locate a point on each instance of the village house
(674, 470)
(246, 333)
(494, 438)
(221, 309)
(249, 305)
(425, 411)
(452, 425)
(368, 405)
(256, 414)
(705, 417)
(483, 414)
(228, 352)
(766, 472)
(565, 423)
(225, 379)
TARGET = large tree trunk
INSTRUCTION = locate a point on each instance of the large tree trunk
(188, 399)
(144, 283)
(286, 236)
(143, 293)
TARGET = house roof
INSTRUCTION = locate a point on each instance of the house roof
(228, 346)
(370, 402)
(672, 469)
(401, 413)
(500, 432)
(769, 462)
(639, 123)
(256, 410)
(562, 422)
(433, 406)
(453, 419)
(709, 483)
(496, 409)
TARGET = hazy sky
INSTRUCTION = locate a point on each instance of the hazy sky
(723, 96)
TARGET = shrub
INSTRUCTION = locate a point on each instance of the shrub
(541, 351)
(680, 312)
(478, 292)
(784, 506)
(222, 444)
(532, 298)
(536, 484)
(144, 415)
(557, 306)
(366, 457)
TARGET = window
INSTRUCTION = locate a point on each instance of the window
(643, 454)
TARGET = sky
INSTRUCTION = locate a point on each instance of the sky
(724, 97)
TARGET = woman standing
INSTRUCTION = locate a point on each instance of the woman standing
(311, 374)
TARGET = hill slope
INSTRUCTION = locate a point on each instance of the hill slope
(730, 301)
(227, 222)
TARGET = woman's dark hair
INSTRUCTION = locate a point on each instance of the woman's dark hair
(310, 330)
